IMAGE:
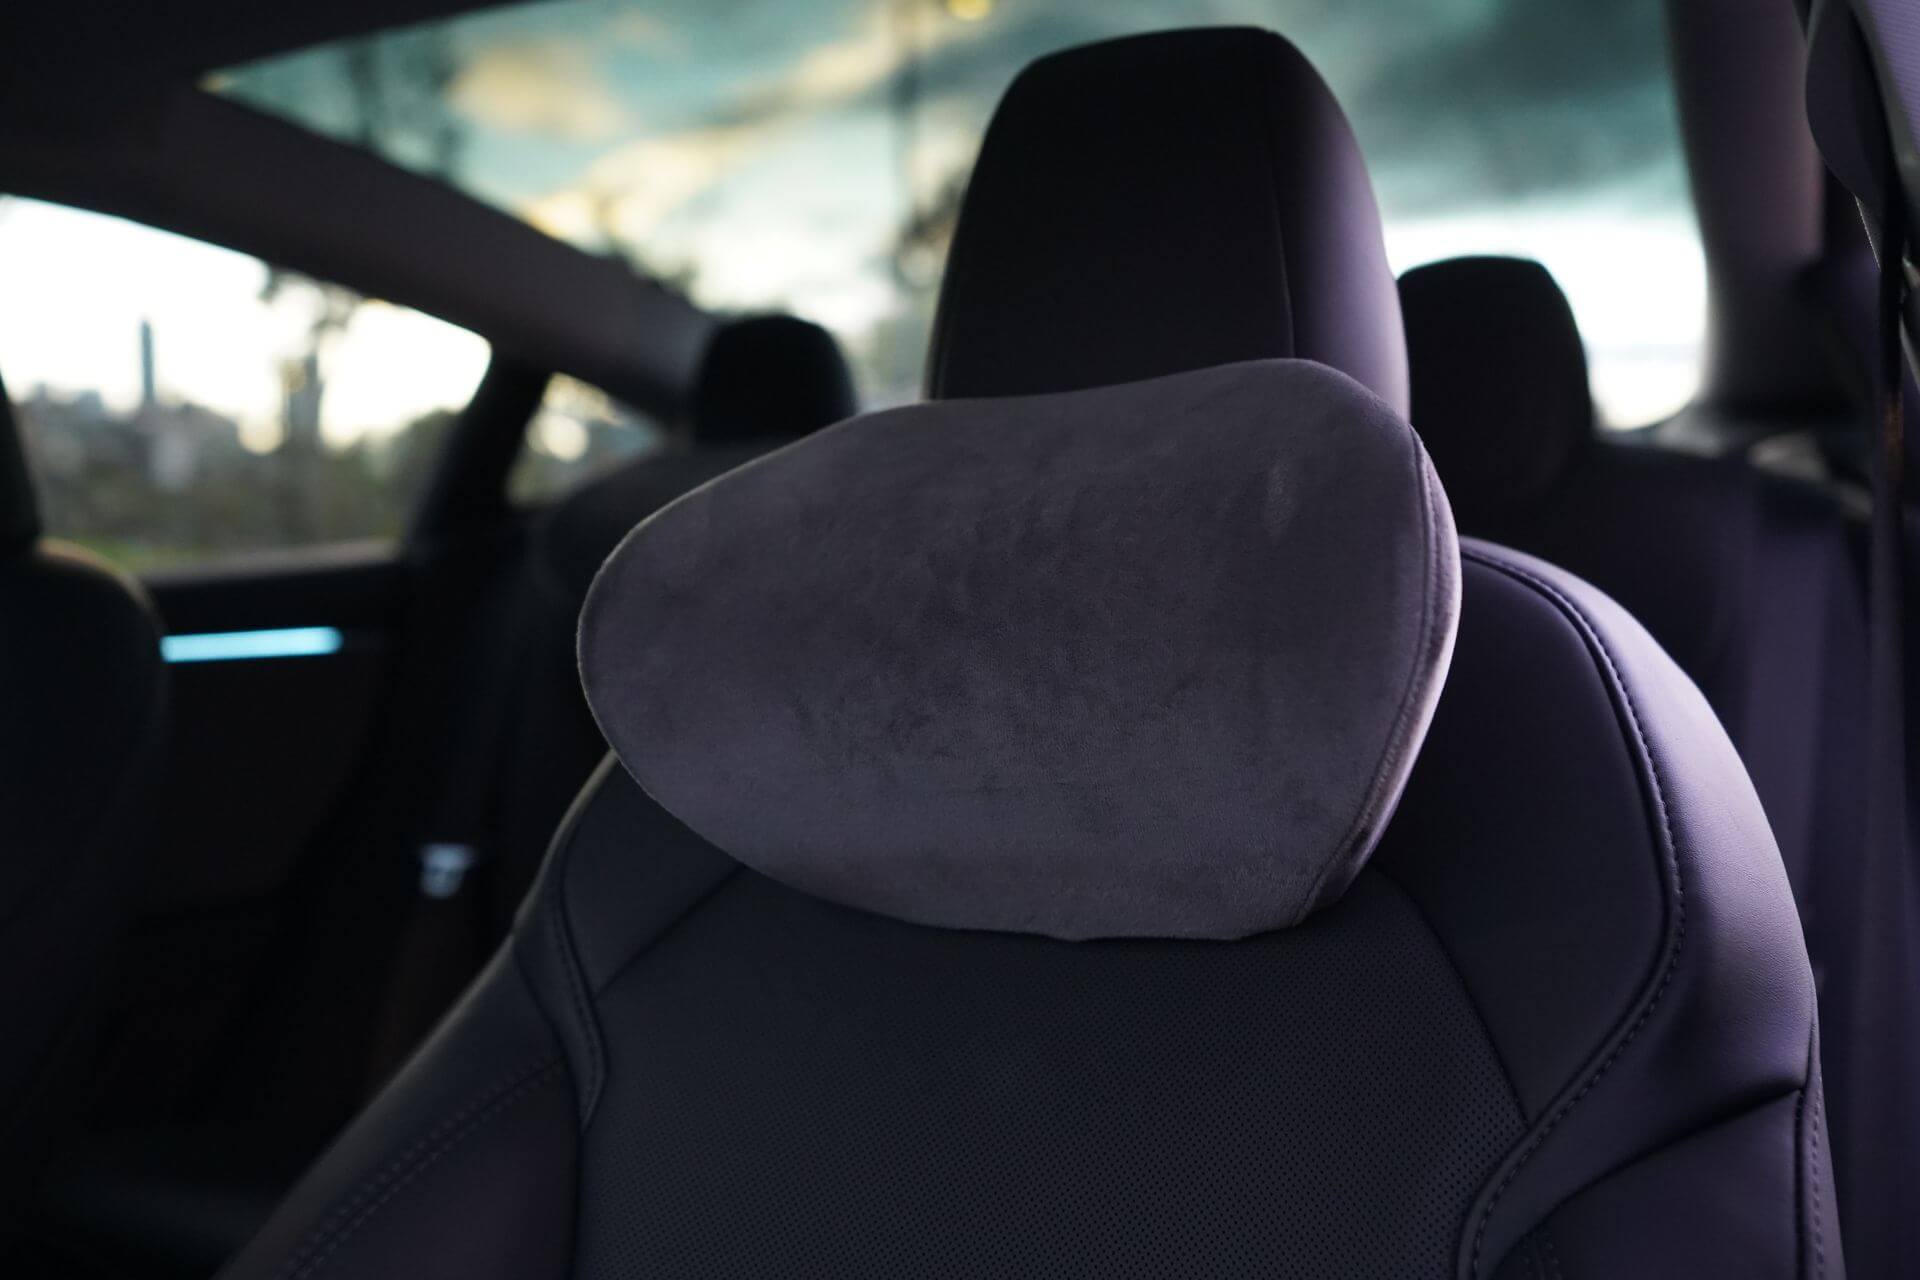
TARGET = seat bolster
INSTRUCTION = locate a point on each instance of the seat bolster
(83, 706)
(80, 653)
(620, 873)
(1722, 1019)
(1690, 1218)
(464, 1166)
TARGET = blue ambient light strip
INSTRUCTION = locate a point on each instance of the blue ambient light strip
(233, 646)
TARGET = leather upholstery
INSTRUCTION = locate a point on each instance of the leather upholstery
(182, 1199)
(82, 684)
(1751, 582)
(769, 377)
(1576, 863)
(1499, 381)
(1570, 976)
(766, 380)
(1162, 203)
(1718, 1013)
(464, 1166)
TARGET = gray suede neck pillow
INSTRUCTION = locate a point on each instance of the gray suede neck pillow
(1150, 660)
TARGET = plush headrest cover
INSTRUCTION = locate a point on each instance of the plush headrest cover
(1144, 660)
(769, 377)
(1162, 203)
(19, 512)
(1500, 390)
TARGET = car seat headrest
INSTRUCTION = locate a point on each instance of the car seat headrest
(1161, 203)
(1500, 390)
(769, 377)
(1143, 660)
(19, 510)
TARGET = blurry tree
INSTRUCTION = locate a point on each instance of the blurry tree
(397, 89)
(890, 356)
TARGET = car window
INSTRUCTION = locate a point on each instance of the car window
(578, 432)
(767, 155)
(186, 404)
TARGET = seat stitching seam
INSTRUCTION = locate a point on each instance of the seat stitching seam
(660, 935)
(576, 986)
(1689, 1134)
(1802, 1183)
(1813, 1176)
(1819, 1244)
(382, 1183)
(404, 1179)
(1672, 964)
(1553, 1254)
(1466, 991)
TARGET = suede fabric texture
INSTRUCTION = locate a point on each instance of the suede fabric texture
(1141, 661)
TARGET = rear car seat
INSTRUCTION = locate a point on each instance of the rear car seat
(1755, 584)
(766, 381)
(82, 691)
(1751, 581)
(1006, 877)
(180, 1199)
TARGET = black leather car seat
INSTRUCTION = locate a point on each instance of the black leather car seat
(765, 381)
(1005, 875)
(178, 1200)
(81, 718)
(1755, 583)
(1751, 581)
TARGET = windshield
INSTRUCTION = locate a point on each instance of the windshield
(761, 154)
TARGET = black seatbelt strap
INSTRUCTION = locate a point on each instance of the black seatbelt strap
(1887, 801)
(1862, 111)
(447, 934)
(1878, 1074)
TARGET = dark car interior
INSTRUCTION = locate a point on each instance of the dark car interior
(958, 638)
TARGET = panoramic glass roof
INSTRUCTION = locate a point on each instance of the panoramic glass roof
(760, 153)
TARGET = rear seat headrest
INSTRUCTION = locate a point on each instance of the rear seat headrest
(1143, 660)
(1161, 203)
(769, 377)
(19, 510)
(1500, 390)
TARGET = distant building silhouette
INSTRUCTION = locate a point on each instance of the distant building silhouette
(147, 396)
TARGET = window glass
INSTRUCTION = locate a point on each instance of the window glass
(765, 154)
(578, 432)
(184, 403)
